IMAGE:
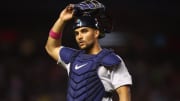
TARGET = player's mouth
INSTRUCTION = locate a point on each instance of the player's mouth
(81, 43)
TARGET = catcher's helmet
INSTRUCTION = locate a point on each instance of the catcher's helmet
(88, 21)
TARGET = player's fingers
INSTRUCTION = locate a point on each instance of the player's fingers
(70, 7)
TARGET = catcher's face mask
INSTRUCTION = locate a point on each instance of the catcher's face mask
(88, 6)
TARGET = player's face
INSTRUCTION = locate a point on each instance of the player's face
(86, 37)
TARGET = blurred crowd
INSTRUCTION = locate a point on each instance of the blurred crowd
(27, 73)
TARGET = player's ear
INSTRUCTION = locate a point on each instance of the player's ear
(97, 33)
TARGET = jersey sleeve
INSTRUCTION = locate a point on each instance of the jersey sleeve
(65, 55)
(120, 75)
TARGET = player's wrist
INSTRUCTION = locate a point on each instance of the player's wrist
(55, 35)
(61, 20)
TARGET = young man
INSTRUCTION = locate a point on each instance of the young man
(94, 73)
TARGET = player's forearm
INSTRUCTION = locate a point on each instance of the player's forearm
(124, 93)
(58, 25)
(56, 29)
(54, 38)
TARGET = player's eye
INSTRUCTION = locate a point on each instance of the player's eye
(76, 33)
(84, 31)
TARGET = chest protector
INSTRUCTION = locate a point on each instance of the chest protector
(84, 83)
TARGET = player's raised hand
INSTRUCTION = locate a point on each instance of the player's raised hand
(67, 13)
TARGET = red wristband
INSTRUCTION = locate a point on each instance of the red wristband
(55, 35)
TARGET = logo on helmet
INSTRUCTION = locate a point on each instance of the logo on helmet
(78, 23)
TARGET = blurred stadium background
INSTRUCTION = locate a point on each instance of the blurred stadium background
(145, 35)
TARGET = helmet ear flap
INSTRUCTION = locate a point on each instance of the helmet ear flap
(97, 23)
(105, 23)
(100, 28)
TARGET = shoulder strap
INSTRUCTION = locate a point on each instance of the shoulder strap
(98, 59)
(102, 54)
